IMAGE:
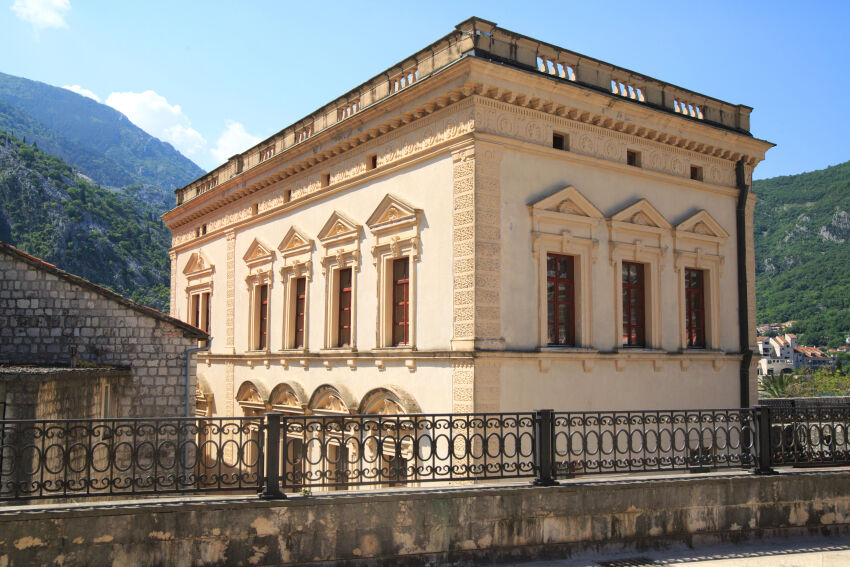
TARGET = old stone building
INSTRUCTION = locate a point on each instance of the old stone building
(72, 349)
(493, 224)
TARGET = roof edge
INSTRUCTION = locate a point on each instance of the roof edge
(189, 331)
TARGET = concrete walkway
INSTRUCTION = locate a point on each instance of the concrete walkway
(810, 552)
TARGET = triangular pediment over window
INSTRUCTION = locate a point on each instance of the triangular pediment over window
(644, 214)
(258, 253)
(295, 242)
(702, 224)
(392, 212)
(339, 227)
(198, 265)
(567, 201)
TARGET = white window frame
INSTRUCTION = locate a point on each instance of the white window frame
(395, 224)
(340, 238)
(296, 249)
(260, 260)
(639, 234)
(566, 223)
(698, 241)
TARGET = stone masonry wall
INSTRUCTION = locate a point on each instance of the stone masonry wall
(45, 319)
(429, 527)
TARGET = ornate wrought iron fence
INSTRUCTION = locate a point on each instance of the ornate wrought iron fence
(635, 441)
(59, 458)
(275, 453)
(809, 436)
(338, 452)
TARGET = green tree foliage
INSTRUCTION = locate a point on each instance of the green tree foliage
(802, 241)
(776, 386)
(105, 236)
(822, 382)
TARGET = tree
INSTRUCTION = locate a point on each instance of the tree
(775, 386)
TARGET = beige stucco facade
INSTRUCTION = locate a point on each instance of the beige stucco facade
(448, 160)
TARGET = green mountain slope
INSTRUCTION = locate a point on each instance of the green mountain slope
(802, 238)
(108, 237)
(96, 139)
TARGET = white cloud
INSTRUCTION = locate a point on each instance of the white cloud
(42, 13)
(152, 113)
(233, 141)
(81, 91)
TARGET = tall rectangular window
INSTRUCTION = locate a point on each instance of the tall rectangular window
(196, 310)
(634, 303)
(205, 308)
(695, 307)
(262, 316)
(344, 313)
(401, 302)
(300, 308)
(199, 311)
(560, 296)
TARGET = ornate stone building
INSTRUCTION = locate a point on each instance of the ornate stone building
(493, 224)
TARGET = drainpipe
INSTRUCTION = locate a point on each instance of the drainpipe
(743, 300)
(189, 352)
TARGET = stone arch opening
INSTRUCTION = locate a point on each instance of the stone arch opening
(252, 397)
(389, 443)
(288, 398)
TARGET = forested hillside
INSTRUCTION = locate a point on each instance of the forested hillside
(106, 236)
(96, 139)
(802, 235)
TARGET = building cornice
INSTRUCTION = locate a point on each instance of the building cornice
(481, 41)
(286, 168)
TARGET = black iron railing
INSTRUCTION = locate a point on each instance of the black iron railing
(637, 441)
(809, 436)
(276, 454)
(337, 452)
(61, 458)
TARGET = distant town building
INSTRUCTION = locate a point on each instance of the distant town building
(72, 349)
(494, 224)
(774, 328)
(783, 354)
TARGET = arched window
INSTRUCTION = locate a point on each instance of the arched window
(388, 442)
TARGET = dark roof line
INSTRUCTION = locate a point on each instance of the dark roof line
(38, 263)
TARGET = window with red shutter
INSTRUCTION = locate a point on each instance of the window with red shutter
(634, 300)
(560, 297)
(262, 317)
(401, 302)
(344, 314)
(300, 308)
(695, 307)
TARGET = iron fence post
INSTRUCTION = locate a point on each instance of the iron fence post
(764, 449)
(544, 427)
(271, 480)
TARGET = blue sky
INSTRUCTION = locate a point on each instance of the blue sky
(214, 77)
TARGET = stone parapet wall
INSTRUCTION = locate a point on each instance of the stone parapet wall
(428, 527)
(47, 319)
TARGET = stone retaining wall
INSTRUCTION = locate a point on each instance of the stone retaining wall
(418, 527)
